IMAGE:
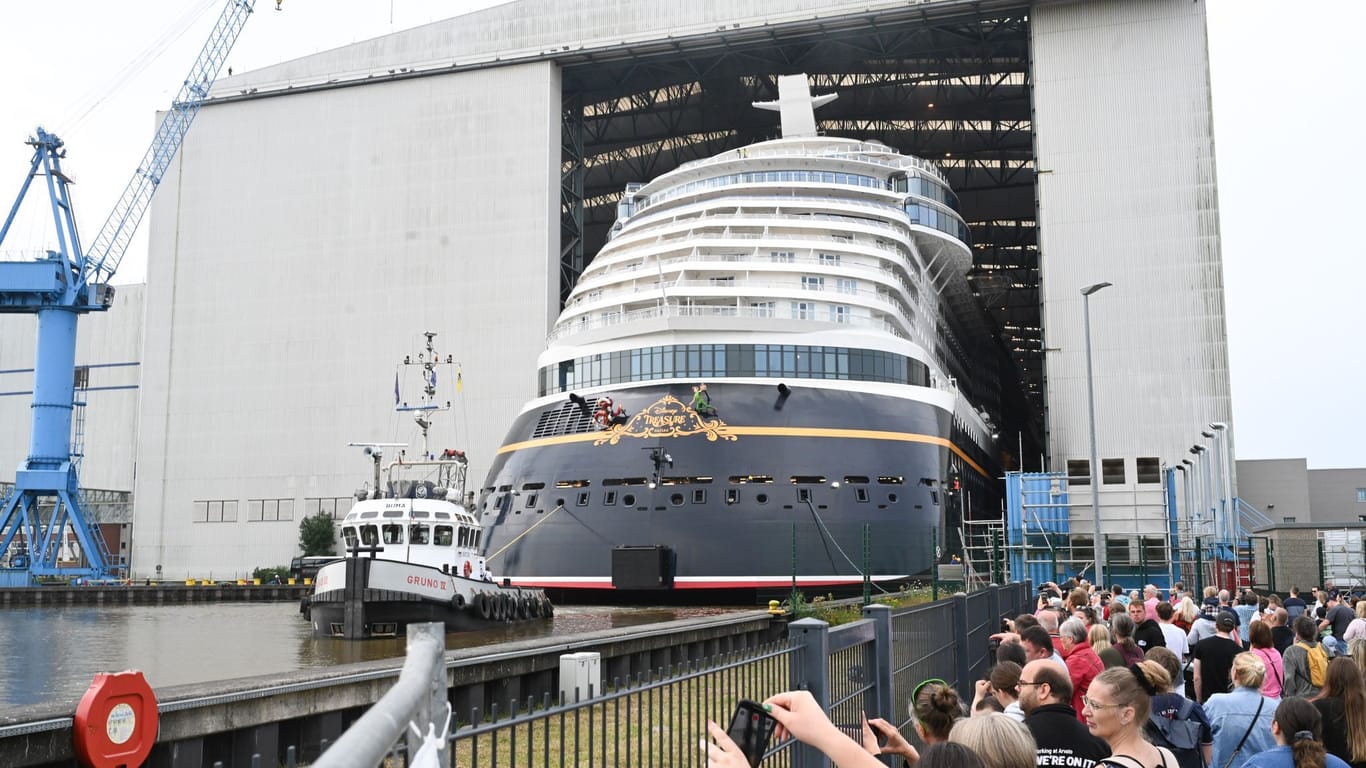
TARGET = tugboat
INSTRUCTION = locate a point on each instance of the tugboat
(412, 546)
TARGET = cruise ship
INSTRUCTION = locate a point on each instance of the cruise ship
(758, 383)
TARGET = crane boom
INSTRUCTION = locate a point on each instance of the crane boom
(47, 500)
(108, 247)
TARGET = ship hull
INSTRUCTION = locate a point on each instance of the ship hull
(817, 486)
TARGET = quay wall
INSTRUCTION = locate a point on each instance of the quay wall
(229, 721)
(155, 594)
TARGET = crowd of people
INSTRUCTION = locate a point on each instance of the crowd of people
(1108, 679)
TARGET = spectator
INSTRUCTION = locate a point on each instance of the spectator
(1013, 652)
(1060, 740)
(1357, 629)
(1342, 703)
(1150, 601)
(1122, 628)
(1049, 621)
(1116, 710)
(1306, 662)
(800, 716)
(1204, 623)
(1000, 741)
(1173, 637)
(1246, 611)
(1337, 619)
(949, 755)
(1260, 641)
(1213, 659)
(1174, 719)
(1147, 633)
(1082, 663)
(1357, 650)
(1174, 668)
(1294, 605)
(1099, 637)
(1038, 645)
(935, 707)
(1185, 613)
(1282, 636)
(1241, 719)
(1005, 688)
(1298, 731)
(986, 705)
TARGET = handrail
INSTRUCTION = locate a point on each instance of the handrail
(421, 685)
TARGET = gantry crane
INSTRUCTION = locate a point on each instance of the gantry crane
(60, 287)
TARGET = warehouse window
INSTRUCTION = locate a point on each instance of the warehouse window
(1112, 471)
(215, 511)
(1079, 471)
(1149, 469)
(269, 510)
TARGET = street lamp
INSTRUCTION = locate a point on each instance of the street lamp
(1091, 403)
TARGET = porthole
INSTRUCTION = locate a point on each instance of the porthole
(629, 500)
(676, 499)
(559, 502)
(762, 498)
(891, 498)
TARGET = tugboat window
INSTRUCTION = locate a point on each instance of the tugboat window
(369, 535)
(419, 534)
(349, 537)
(444, 535)
(393, 534)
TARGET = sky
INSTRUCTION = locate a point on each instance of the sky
(1287, 111)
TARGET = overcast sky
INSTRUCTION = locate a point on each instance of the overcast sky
(1287, 113)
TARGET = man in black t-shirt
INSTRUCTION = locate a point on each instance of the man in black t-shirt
(1294, 605)
(1337, 618)
(1061, 740)
(1282, 636)
(1214, 658)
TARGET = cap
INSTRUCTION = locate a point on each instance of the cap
(1226, 623)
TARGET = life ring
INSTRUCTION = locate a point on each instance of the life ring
(481, 604)
(458, 601)
(468, 569)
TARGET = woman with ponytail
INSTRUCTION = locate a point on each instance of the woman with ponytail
(1298, 730)
(1342, 703)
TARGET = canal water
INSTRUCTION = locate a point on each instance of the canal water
(50, 654)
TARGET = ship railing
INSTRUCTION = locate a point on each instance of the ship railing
(585, 323)
(860, 152)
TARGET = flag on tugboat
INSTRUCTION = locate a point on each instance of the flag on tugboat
(459, 383)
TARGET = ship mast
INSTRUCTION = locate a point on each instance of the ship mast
(427, 361)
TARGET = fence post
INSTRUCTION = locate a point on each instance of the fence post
(962, 665)
(431, 709)
(810, 671)
(994, 606)
(882, 658)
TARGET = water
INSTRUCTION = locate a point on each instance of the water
(50, 654)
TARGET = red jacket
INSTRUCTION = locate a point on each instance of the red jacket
(1082, 666)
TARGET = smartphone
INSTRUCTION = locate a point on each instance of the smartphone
(751, 728)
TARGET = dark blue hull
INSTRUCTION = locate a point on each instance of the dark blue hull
(820, 483)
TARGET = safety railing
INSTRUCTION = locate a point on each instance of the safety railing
(868, 667)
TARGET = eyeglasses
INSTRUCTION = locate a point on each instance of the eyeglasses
(1096, 706)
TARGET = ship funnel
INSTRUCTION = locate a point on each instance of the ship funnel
(796, 105)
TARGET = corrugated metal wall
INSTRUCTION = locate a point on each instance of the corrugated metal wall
(1127, 195)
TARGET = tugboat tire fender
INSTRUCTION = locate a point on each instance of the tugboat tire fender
(502, 608)
(458, 601)
(523, 610)
(481, 604)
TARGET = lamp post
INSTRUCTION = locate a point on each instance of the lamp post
(1091, 403)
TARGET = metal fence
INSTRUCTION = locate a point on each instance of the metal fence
(865, 668)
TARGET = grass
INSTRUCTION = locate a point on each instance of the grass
(836, 612)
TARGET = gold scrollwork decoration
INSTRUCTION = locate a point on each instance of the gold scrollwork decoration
(666, 417)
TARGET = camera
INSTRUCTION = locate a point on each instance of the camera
(751, 728)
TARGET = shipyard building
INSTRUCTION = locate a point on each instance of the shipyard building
(457, 177)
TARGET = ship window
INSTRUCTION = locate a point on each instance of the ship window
(393, 533)
(349, 537)
(699, 496)
(583, 499)
(807, 479)
(419, 534)
(572, 483)
(830, 259)
(744, 479)
(443, 535)
(609, 498)
(532, 486)
(813, 283)
(504, 488)
(1149, 469)
(855, 479)
(369, 535)
(782, 257)
(762, 498)
(612, 481)
(732, 495)
(369, 514)
(804, 494)
(890, 479)
(861, 494)
(763, 308)
(1079, 471)
(839, 313)
(629, 500)
(531, 500)
(634, 481)
(676, 499)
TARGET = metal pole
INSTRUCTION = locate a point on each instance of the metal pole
(1097, 537)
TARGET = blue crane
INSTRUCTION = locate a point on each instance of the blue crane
(59, 287)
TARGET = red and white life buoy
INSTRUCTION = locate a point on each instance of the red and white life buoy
(468, 569)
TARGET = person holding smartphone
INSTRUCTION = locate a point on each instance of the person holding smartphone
(800, 716)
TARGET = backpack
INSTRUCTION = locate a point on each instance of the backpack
(1317, 661)
(1179, 733)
